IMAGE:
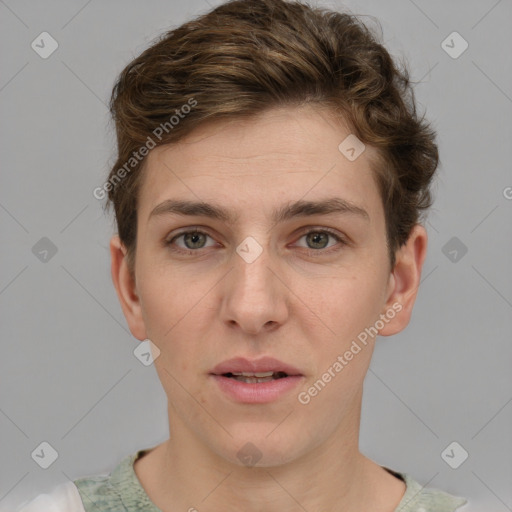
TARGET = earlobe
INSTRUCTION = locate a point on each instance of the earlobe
(126, 289)
(404, 281)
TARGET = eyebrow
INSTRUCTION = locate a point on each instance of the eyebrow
(286, 212)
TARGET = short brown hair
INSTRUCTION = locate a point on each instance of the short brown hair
(247, 56)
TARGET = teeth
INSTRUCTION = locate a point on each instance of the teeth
(248, 374)
(252, 380)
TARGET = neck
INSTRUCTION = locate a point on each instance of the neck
(183, 474)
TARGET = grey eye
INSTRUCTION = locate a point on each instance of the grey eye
(194, 239)
(318, 239)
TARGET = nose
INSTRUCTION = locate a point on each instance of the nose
(254, 295)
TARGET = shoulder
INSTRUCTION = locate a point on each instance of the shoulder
(63, 498)
(418, 498)
(98, 492)
(118, 490)
(95, 493)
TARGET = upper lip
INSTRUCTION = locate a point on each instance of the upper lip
(264, 364)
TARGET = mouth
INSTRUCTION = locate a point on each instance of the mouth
(256, 381)
(255, 378)
(264, 368)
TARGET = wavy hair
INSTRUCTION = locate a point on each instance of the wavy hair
(247, 56)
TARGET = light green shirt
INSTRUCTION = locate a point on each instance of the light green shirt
(121, 491)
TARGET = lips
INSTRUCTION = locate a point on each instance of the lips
(264, 368)
(256, 382)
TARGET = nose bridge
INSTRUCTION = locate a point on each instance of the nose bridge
(254, 296)
(252, 275)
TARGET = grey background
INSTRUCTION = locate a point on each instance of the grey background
(68, 375)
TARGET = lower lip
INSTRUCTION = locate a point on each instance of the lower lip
(257, 393)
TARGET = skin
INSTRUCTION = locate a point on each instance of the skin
(202, 308)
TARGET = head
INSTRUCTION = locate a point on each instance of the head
(247, 110)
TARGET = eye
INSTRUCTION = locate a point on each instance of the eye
(318, 239)
(192, 240)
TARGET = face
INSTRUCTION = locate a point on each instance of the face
(271, 278)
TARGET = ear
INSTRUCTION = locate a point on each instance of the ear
(404, 282)
(126, 290)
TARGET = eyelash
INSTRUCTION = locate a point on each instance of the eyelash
(310, 252)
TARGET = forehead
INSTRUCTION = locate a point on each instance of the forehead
(279, 155)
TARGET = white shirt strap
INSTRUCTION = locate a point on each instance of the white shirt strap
(64, 498)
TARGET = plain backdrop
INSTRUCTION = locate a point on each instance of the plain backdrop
(68, 374)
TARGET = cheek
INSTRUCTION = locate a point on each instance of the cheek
(165, 306)
(342, 358)
(346, 305)
(178, 318)
(167, 297)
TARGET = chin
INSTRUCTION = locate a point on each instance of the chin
(261, 446)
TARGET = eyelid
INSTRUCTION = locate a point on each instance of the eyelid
(341, 240)
(323, 229)
(304, 230)
(339, 237)
(189, 229)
